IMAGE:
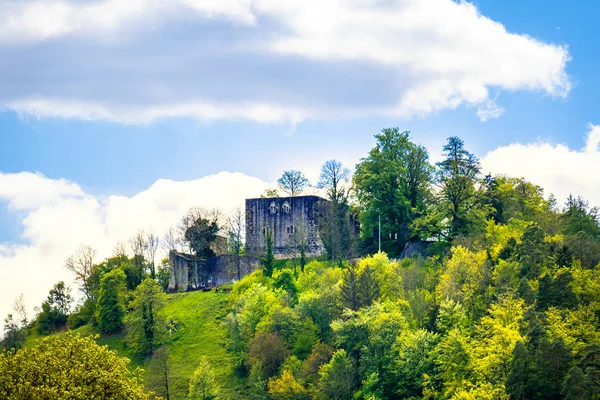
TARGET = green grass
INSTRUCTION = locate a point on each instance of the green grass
(199, 317)
(200, 334)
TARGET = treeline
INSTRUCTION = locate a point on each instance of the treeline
(502, 300)
(504, 304)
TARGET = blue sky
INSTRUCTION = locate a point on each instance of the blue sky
(116, 116)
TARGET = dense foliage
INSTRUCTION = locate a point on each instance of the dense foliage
(68, 367)
(497, 296)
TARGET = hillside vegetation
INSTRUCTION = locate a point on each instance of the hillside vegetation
(502, 300)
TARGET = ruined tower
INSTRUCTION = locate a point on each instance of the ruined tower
(291, 220)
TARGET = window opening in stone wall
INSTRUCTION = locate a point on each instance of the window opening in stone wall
(286, 208)
(273, 208)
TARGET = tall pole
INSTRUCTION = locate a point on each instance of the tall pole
(380, 233)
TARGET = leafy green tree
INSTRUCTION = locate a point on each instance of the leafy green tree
(55, 309)
(200, 234)
(368, 287)
(257, 382)
(146, 327)
(577, 386)
(163, 273)
(69, 367)
(578, 217)
(287, 388)
(459, 208)
(350, 288)
(338, 379)
(515, 198)
(414, 361)
(203, 384)
(14, 335)
(392, 183)
(111, 301)
(532, 252)
(519, 373)
(293, 182)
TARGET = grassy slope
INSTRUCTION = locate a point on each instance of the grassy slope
(201, 333)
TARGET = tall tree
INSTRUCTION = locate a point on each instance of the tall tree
(146, 326)
(391, 184)
(235, 232)
(334, 179)
(335, 222)
(293, 182)
(152, 242)
(458, 209)
(111, 301)
(350, 288)
(203, 384)
(81, 264)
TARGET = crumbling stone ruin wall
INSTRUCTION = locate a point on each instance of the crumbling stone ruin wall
(187, 272)
(284, 217)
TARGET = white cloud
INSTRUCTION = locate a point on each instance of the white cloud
(265, 60)
(555, 167)
(59, 215)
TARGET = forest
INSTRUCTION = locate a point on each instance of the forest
(501, 300)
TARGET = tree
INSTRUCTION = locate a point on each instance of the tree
(203, 384)
(338, 379)
(170, 241)
(458, 209)
(269, 350)
(577, 386)
(392, 184)
(212, 216)
(293, 182)
(200, 235)
(14, 335)
(269, 259)
(69, 366)
(146, 327)
(151, 246)
(162, 364)
(300, 240)
(287, 388)
(350, 288)
(334, 179)
(579, 217)
(111, 301)
(55, 309)
(235, 232)
(368, 287)
(20, 309)
(532, 252)
(81, 263)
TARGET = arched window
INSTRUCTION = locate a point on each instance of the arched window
(273, 208)
(286, 208)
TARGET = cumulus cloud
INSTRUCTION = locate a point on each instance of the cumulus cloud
(555, 167)
(138, 61)
(59, 215)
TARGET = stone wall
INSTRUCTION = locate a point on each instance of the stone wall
(189, 273)
(284, 217)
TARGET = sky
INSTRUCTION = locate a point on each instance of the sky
(117, 116)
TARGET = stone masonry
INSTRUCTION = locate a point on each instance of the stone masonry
(285, 217)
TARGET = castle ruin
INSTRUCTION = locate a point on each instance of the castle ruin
(293, 221)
